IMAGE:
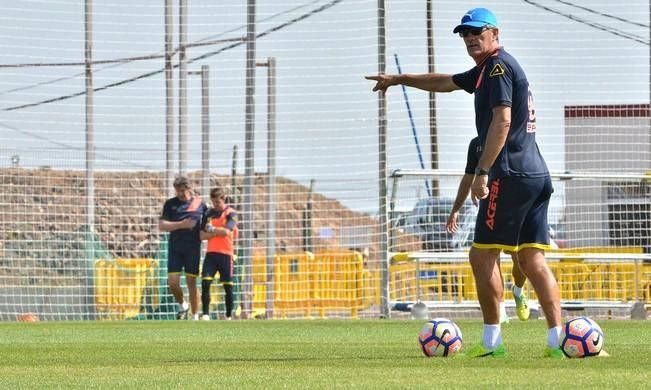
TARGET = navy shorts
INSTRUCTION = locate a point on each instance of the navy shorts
(514, 215)
(184, 258)
(218, 262)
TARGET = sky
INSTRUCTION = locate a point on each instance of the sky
(327, 114)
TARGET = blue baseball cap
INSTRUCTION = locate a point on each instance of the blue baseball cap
(476, 17)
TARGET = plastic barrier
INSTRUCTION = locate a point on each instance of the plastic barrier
(586, 281)
(305, 282)
(338, 282)
(120, 286)
(438, 282)
(292, 288)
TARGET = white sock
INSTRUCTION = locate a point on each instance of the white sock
(554, 337)
(517, 291)
(492, 336)
(503, 315)
(184, 306)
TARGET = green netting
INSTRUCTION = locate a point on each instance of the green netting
(158, 302)
(93, 246)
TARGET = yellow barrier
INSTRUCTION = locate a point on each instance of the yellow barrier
(646, 282)
(119, 286)
(259, 285)
(598, 281)
(438, 282)
(578, 281)
(291, 283)
(371, 291)
(600, 249)
(305, 282)
(338, 281)
(292, 289)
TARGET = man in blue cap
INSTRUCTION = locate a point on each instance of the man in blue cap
(511, 179)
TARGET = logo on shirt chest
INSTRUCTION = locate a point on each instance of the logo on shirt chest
(497, 70)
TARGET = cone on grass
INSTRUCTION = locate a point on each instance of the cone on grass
(27, 317)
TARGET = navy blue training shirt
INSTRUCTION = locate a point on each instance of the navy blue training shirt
(500, 81)
(174, 210)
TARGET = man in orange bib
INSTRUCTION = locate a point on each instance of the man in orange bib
(220, 229)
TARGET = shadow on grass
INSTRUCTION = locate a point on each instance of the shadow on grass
(234, 359)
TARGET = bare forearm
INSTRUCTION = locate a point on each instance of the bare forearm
(462, 192)
(433, 82)
(496, 137)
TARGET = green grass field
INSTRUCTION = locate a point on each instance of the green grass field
(346, 354)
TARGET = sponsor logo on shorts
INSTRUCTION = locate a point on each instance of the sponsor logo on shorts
(492, 204)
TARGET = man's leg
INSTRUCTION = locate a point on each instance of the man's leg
(485, 268)
(532, 262)
(521, 304)
(504, 317)
(207, 275)
(205, 295)
(226, 277)
(194, 293)
(192, 258)
(519, 278)
(174, 284)
(228, 299)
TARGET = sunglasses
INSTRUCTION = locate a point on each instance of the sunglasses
(474, 31)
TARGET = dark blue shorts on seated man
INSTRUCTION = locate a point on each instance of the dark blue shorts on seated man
(184, 258)
(514, 215)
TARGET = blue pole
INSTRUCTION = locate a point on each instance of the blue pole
(413, 126)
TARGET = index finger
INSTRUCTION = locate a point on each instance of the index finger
(374, 78)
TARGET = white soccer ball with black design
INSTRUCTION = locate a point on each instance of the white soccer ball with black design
(582, 337)
(440, 337)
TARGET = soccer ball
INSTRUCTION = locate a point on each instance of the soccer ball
(440, 337)
(582, 337)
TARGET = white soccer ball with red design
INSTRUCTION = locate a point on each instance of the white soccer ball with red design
(582, 337)
(440, 337)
